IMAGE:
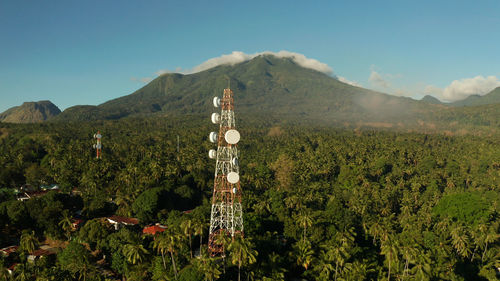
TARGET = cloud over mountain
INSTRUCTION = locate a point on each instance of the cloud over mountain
(238, 57)
(461, 89)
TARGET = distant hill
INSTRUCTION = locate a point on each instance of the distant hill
(264, 86)
(492, 97)
(431, 99)
(30, 112)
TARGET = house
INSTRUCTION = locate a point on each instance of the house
(8, 250)
(44, 251)
(154, 229)
(50, 187)
(118, 221)
(76, 223)
(11, 268)
(23, 196)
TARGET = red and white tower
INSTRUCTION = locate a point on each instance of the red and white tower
(227, 215)
(97, 146)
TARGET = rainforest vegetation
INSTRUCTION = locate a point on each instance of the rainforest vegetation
(319, 203)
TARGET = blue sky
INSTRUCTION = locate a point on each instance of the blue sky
(87, 52)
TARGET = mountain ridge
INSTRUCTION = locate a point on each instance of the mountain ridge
(30, 112)
(263, 85)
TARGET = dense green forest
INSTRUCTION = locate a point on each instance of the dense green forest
(319, 203)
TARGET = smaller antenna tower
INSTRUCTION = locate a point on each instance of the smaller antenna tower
(98, 146)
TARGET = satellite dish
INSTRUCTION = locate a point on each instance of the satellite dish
(233, 177)
(98, 136)
(212, 153)
(213, 137)
(215, 118)
(232, 136)
(216, 101)
(234, 161)
(94, 136)
(234, 190)
(93, 146)
(99, 146)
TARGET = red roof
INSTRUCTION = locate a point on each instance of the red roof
(42, 252)
(76, 222)
(187, 211)
(153, 229)
(124, 220)
(9, 250)
(13, 266)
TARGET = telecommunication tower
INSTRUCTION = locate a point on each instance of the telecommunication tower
(227, 215)
(98, 146)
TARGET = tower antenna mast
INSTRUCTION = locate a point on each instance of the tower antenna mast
(98, 146)
(226, 216)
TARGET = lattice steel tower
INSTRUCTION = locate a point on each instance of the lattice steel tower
(227, 215)
(98, 146)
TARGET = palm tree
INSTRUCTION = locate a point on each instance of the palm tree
(304, 219)
(422, 269)
(28, 241)
(4, 274)
(207, 265)
(485, 235)
(390, 249)
(187, 228)
(135, 253)
(66, 224)
(167, 241)
(242, 253)
(199, 229)
(324, 266)
(22, 272)
(358, 270)
(340, 252)
(460, 240)
(223, 239)
(304, 253)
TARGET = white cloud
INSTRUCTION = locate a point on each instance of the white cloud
(352, 83)
(238, 57)
(378, 81)
(460, 89)
(433, 91)
(385, 82)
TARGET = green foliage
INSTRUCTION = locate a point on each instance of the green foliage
(465, 207)
(318, 203)
(95, 233)
(150, 202)
(75, 259)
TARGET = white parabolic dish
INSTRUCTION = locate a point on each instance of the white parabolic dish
(233, 177)
(213, 137)
(212, 153)
(98, 136)
(215, 118)
(232, 136)
(216, 101)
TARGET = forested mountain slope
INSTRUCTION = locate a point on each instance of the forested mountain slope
(30, 112)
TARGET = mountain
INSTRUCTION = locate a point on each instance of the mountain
(271, 90)
(431, 99)
(264, 86)
(30, 112)
(475, 100)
